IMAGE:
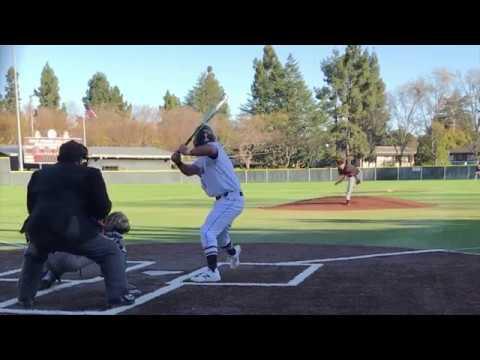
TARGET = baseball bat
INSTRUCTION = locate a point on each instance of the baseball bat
(207, 117)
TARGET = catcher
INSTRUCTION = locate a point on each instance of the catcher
(114, 227)
(350, 172)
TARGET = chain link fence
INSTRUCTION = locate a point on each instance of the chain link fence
(269, 175)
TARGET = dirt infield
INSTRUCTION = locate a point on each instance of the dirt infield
(273, 279)
(337, 203)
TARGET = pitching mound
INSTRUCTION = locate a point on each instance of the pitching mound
(358, 203)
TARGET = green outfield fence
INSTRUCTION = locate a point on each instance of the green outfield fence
(8, 177)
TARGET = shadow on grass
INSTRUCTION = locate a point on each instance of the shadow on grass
(406, 233)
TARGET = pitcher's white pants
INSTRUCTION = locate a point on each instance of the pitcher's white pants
(350, 185)
(214, 232)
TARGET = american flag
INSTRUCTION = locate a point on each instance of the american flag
(89, 113)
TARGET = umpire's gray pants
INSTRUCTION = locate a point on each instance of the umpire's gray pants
(100, 249)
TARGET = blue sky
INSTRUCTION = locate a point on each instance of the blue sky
(144, 73)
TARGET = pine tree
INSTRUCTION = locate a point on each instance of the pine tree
(268, 88)
(299, 102)
(9, 99)
(206, 93)
(100, 94)
(116, 100)
(170, 101)
(355, 93)
(48, 92)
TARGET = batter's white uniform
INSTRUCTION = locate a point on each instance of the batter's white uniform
(219, 180)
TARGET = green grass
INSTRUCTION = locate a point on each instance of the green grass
(173, 213)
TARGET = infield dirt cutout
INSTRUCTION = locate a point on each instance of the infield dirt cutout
(337, 203)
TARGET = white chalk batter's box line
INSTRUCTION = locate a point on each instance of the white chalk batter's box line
(312, 266)
(171, 286)
(68, 284)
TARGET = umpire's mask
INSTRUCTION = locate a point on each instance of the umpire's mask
(204, 136)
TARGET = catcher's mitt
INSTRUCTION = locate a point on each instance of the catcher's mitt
(117, 221)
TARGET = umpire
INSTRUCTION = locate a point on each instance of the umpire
(65, 203)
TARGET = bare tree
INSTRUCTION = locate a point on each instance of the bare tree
(437, 88)
(176, 126)
(405, 110)
(470, 85)
(250, 133)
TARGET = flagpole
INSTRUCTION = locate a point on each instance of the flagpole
(84, 132)
(19, 129)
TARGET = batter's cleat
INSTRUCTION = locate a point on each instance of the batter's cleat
(133, 290)
(127, 299)
(207, 276)
(235, 259)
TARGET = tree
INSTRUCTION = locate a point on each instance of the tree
(2, 103)
(349, 136)
(355, 93)
(405, 106)
(9, 102)
(206, 93)
(48, 92)
(100, 94)
(250, 134)
(267, 90)
(117, 102)
(170, 101)
(434, 146)
(470, 85)
(306, 119)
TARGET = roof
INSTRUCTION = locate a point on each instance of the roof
(391, 150)
(10, 150)
(462, 150)
(128, 152)
(117, 152)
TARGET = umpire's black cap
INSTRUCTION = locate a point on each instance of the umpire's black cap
(72, 151)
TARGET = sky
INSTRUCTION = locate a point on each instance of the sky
(145, 72)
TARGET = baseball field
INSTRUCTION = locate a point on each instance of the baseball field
(338, 260)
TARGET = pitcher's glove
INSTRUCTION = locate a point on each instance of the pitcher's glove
(117, 221)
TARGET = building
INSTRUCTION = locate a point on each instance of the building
(107, 158)
(10, 151)
(463, 156)
(129, 158)
(387, 156)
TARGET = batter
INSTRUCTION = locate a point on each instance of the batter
(219, 181)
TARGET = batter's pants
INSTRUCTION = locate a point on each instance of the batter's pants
(214, 232)
(100, 249)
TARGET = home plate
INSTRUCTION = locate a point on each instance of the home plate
(161, 272)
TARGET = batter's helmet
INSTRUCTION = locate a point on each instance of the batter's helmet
(204, 136)
(72, 151)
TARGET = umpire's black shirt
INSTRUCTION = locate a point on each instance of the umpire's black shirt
(64, 203)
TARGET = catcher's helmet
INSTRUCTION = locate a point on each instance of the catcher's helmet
(72, 151)
(117, 221)
(204, 136)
